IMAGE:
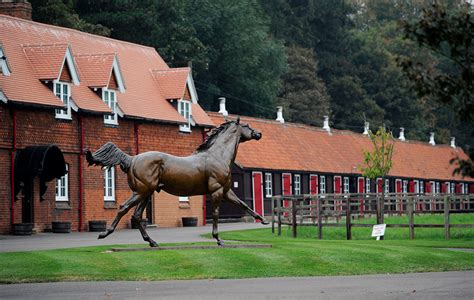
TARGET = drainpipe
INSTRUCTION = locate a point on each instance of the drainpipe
(12, 171)
(81, 182)
(204, 197)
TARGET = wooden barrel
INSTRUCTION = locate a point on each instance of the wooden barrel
(189, 221)
(61, 227)
(23, 229)
(97, 225)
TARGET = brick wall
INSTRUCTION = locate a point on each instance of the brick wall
(20, 9)
(39, 127)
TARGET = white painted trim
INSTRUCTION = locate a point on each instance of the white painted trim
(432, 187)
(111, 197)
(6, 71)
(294, 184)
(271, 185)
(368, 182)
(191, 87)
(73, 104)
(118, 75)
(344, 185)
(358, 186)
(185, 127)
(253, 193)
(416, 186)
(283, 184)
(3, 98)
(71, 66)
(334, 184)
(317, 185)
(405, 186)
(113, 121)
(67, 115)
(325, 184)
(64, 198)
(183, 199)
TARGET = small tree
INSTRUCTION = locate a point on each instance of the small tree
(379, 162)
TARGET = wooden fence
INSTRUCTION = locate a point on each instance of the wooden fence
(311, 210)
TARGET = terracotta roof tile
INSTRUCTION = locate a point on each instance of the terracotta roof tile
(172, 82)
(142, 97)
(95, 69)
(200, 116)
(297, 147)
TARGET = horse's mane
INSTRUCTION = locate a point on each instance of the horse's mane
(211, 138)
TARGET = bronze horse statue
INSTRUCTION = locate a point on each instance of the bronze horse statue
(206, 171)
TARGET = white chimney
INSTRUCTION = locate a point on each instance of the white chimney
(280, 114)
(366, 128)
(402, 134)
(222, 109)
(326, 124)
(453, 142)
(432, 141)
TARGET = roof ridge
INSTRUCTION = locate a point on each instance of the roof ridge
(43, 45)
(74, 30)
(172, 69)
(96, 54)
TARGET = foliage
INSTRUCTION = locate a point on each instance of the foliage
(304, 95)
(448, 34)
(379, 161)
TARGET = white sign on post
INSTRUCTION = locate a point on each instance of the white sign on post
(378, 230)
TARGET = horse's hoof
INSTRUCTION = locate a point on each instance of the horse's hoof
(264, 222)
(220, 243)
(102, 235)
(153, 244)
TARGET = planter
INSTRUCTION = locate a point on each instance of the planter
(144, 222)
(23, 229)
(61, 227)
(97, 226)
(189, 221)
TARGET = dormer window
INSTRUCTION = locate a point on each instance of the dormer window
(62, 90)
(110, 98)
(4, 68)
(184, 109)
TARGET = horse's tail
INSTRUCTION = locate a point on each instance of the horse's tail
(109, 155)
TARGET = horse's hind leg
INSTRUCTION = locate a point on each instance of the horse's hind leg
(137, 217)
(232, 197)
(216, 201)
(124, 208)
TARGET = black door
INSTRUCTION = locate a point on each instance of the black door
(27, 203)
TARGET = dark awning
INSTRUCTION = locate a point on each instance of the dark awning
(46, 162)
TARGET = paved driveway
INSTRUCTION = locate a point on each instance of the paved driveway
(42, 241)
(448, 285)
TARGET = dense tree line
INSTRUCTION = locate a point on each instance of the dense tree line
(343, 58)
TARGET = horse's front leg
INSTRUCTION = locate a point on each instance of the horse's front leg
(216, 198)
(124, 208)
(232, 197)
(137, 217)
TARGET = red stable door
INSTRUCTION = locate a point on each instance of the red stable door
(286, 191)
(258, 193)
(361, 190)
(398, 190)
(337, 190)
(313, 190)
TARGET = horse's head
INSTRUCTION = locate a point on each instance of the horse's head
(247, 133)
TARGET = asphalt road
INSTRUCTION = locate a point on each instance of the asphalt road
(447, 285)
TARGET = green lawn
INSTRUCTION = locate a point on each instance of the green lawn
(288, 257)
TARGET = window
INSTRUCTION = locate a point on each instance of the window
(405, 186)
(110, 98)
(438, 190)
(433, 187)
(297, 184)
(62, 187)
(416, 186)
(268, 185)
(109, 184)
(453, 186)
(367, 185)
(183, 199)
(422, 187)
(387, 186)
(184, 109)
(63, 92)
(346, 185)
(463, 188)
(322, 184)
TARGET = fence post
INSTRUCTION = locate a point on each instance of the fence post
(348, 219)
(273, 215)
(279, 215)
(293, 211)
(446, 217)
(320, 218)
(411, 220)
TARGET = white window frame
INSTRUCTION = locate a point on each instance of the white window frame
(63, 113)
(387, 186)
(62, 184)
(463, 188)
(367, 185)
(182, 105)
(416, 186)
(268, 185)
(405, 186)
(4, 68)
(345, 188)
(183, 199)
(322, 184)
(297, 184)
(109, 173)
(107, 96)
(433, 187)
(453, 188)
(422, 187)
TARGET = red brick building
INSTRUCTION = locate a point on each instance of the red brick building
(77, 91)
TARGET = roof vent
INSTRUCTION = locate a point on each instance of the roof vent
(280, 114)
(222, 109)
(432, 140)
(402, 134)
(366, 128)
(453, 142)
(326, 124)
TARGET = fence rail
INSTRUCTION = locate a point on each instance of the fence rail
(310, 210)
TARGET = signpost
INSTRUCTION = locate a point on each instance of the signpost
(378, 230)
